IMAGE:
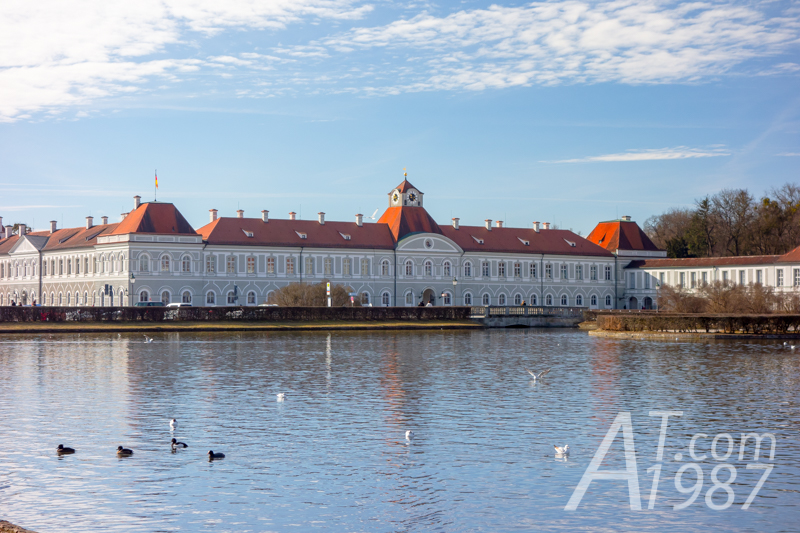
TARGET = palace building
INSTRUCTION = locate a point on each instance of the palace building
(406, 257)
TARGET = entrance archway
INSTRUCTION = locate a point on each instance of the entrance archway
(648, 303)
(24, 297)
(429, 296)
(633, 303)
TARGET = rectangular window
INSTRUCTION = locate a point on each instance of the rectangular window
(231, 265)
(328, 266)
(694, 280)
(646, 280)
(501, 269)
(564, 272)
(251, 265)
(533, 271)
(290, 265)
(517, 270)
(309, 266)
(211, 264)
(365, 267)
(725, 276)
(796, 275)
(631, 280)
(779, 277)
(661, 279)
(485, 269)
(683, 279)
(742, 277)
(759, 277)
(467, 270)
(346, 266)
(548, 271)
(385, 268)
(608, 273)
(579, 272)
(85, 265)
(270, 265)
(705, 278)
(593, 272)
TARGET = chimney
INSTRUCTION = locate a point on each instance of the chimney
(359, 220)
(321, 216)
(488, 224)
(536, 227)
(545, 225)
(9, 229)
(122, 216)
(626, 218)
(23, 229)
(265, 215)
(53, 226)
(89, 221)
(136, 201)
(212, 215)
(499, 224)
(1, 222)
(240, 213)
(292, 215)
(455, 223)
(105, 220)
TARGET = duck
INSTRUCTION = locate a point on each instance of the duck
(212, 455)
(409, 435)
(176, 444)
(63, 449)
(562, 451)
(173, 423)
(123, 451)
(281, 396)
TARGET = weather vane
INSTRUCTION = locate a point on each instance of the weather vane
(405, 174)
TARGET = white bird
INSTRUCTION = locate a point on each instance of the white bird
(792, 346)
(173, 423)
(119, 335)
(409, 435)
(540, 375)
(148, 339)
(785, 343)
(281, 396)
(562, 451)
(374, 214)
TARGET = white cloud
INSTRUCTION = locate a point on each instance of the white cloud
(55, 54)
(655, 154)
(789, 154)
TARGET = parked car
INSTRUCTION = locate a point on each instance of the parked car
(149, 304)
(178, 304)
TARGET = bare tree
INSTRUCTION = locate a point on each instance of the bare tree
(733, 210)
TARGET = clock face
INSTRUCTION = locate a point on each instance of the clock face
(395, 197)
(412, 197)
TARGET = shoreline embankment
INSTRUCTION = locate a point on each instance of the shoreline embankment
(8, 527)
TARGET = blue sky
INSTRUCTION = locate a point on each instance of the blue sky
(569, 112)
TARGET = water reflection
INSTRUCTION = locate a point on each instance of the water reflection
(333, 455)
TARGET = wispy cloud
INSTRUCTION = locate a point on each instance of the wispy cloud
(789, 154)
(656, 154)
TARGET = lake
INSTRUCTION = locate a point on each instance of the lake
(333, 456)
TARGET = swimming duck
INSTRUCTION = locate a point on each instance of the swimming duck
(173, 423)
(124, 451)
(63, 449)
(409, 435)
(176, 444)
(212, 455)
(281, 396)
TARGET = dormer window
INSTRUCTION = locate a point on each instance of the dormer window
(345, 236)
(570, 243)
(302, 235)
(248, 233)
(523, 241)
(479, 241)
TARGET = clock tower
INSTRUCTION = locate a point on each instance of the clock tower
(405, 195)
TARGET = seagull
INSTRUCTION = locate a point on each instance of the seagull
(281, 396)
(148, 339)
(409, 435)
(562, 451)
(175, 444)
(173, 423)
(540, 375)
(373, 214)
(119, 335)
(792, 346)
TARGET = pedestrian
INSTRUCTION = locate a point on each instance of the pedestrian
(523, 303)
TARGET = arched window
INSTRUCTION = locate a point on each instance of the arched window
(112, 261)
(210, 298)
(230, 263)
(517, 299)
(409, 268)
(69, 267)
(447, 269)
(52, 299)
(269, 296)
(593, 300)
(121, 296)
(69, 299)
(364, 298)
(533, 300)
(579, 300)
(549, 299)
(608, 301)
(231, 298)
(251, 298)
(60, 299)
(144, 263)
(428, 268)
(186, 297)
(468, 269)
(386, 299)
(468, 298)
(563, 299)
(409, 298)
(165, 297)
(384, 268)
(60, 267)
(448, 300)
(486, 299)
(164, 263)
(85, 297)
(186, 264)
(144, 296)
(501, 300)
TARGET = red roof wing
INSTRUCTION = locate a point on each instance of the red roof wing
(155, 217)
(692, 262)
(621, 235)
(510, 240)
(405, 220)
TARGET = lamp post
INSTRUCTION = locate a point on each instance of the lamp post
(131, 292)
(455, 284)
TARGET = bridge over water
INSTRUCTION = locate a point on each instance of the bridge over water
(527, 316)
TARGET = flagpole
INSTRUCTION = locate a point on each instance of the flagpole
(155, 187)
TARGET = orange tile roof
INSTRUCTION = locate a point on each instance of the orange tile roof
(405, 186)
(792, 256)
(621, 235)
(405, 220)
(155, 217)
(77, 237)
(701, 262)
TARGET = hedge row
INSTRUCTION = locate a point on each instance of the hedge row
(728, 323)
